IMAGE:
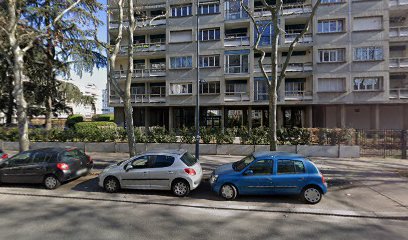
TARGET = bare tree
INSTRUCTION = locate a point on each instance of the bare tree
(275, 78)
(20, 44)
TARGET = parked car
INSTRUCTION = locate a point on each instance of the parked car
(50, 166)
(3, 155)
(175, 170)
(270, 173)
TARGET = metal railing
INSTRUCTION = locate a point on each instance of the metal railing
(292, 67)
(287, 9)
(401, 62)
(307, 38)
(236, 41)
(236, 96)
(115, 24)
(396, 3)
(150, 47)
(298, 95)
(141, 73)
(148, 98)
(235, 15)
(236, 69)
(399, 93)
(149, 22)
(398, 32)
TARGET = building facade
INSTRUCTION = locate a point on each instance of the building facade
(350, 70)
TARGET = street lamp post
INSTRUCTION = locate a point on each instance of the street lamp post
(197, 114)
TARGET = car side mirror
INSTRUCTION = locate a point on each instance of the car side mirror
(128, 167)
(249, 173)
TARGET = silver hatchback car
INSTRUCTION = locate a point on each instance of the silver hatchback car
(175, 170)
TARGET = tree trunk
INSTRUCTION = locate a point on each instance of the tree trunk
(10, 105)
(127, 96)
(273, 139)
(48, 114)
(18, 93)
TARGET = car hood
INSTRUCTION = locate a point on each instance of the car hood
(224, 169)
(111, 167)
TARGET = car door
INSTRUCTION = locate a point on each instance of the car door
(257, 178)
(35, 170)
(290, 176)
(162, 173)
(12, 171)
(136, 173)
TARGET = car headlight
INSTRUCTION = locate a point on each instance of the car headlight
(213, 178)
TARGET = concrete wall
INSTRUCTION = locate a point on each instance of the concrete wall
(205, 149)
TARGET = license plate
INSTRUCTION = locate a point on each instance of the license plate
(82, 171)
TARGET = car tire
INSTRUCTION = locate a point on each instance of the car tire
(228, 192)
(111, 185)
(180, 188)
(51, 182)
(311, 195)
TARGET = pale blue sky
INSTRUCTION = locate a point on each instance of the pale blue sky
(99, 76)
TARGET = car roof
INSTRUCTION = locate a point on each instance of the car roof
(167, 151)
(275, 154)
(53, 149)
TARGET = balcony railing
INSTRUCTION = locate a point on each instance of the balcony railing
(148, 98)
(399, 93)
(307, 38)
(236, 96)
(142, 73)
(150, 47)
(236, 69)
(234, 15)
(401, 62)
(149, 22)
(396, 3)
(292, 67)
(236, 41)
(298, 95)
(287, 9)
(398, 32)
(115, 24)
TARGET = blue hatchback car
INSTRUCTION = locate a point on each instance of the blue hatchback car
(270, 173)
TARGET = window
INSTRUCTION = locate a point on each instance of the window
(181, 88)
(331, 84)
(367, 83)
(181, 62)
(188, 159)
(181, 36)
(40, 157)
(331, 55)
(181, 11)
(261, 89)
(294, 86)
(330, 26)
(235, 87)
(290, 167)
(210, 87)
(210, 34)
(262, 167)
(142, 162)
(367, 23)
(368, 54)
(210, 61)
(266, 30)
(209, 8)
(236, 63)
(162, 161)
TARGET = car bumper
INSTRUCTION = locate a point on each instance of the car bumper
(67, 175)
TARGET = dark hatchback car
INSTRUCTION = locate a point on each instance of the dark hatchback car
(50, 166)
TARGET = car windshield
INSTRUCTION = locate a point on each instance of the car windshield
(241, 164)
(119, 163)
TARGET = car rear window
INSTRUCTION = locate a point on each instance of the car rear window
(188, 159)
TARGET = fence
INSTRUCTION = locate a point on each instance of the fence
(384, 143)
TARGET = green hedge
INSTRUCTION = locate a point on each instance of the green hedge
(103, 118)
(73, 119)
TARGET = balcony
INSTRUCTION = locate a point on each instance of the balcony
(401, 62)
(292, 67)
(398, 32)
(142, 73)
(236, 96)
(150, 47)
(399, 93)
(236, 41)
(236, 69)
(307, 38)
(235, 15)
(115, 24)
(397, 3)
(150, 22)
(287, 9)
(148, 98)
(298, 95)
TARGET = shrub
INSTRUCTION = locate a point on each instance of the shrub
(226, 137)
(103, 118)
(161, 135)
(207, 135)
(9, 134)
(73, 119)
(140, 135)
(96, 131)
(187, 135)
(243, 133)
(259, 135)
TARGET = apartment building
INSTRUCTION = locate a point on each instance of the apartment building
(349, 70)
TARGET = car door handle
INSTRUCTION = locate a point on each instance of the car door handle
(171, 172)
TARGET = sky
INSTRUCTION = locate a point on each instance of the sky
(99, 76)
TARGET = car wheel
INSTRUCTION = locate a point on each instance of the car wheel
(111, 185)
(228, 191)
(51, 182)
(180, 188)
(311, 195)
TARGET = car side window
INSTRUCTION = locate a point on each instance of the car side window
(162, 161)
(290, 167)
(262, 167)
(39, 157)
(142, 162)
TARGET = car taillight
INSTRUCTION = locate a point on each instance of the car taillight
(323, 180)
(4, 156)
(190, 171)
(89, 158)
(62, 166)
